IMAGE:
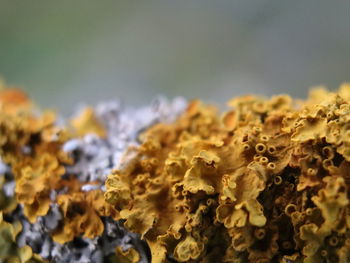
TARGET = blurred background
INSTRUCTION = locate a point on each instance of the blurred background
(65, 52)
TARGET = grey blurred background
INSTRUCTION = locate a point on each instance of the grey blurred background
(69, 51)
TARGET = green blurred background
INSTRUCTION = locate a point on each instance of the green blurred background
(71, 51)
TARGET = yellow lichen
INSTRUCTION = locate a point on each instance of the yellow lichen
(128, 256)
(270, 179)
(267, 181)
(31, 144)
(79, 217)
(87, 123)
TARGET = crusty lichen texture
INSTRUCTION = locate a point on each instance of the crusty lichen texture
(267, 181)
(52, 175)
(31, 145)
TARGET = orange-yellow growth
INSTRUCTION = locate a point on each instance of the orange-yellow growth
(268, 181)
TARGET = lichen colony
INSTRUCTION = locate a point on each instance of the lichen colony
(268, 180)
